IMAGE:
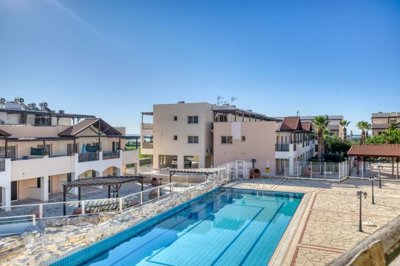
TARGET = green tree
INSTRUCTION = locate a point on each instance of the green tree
(389, 136)
(321, 125)
(344, 124)
(364, 126)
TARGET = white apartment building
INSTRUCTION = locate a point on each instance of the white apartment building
(334, 127)
(295, 144)
(36, 159)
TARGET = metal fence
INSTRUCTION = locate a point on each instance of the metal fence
(316, 170)
(235, 170)
(95, 206)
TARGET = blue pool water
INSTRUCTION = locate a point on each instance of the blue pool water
(223, 227)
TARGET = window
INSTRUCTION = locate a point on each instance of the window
(226, 139)
(175, 118)
(193, 119)
(175, 137)
(243, 138)
(38, 183)
(193, 139)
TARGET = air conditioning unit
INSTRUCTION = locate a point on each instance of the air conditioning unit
(43, 104)
(61, 112)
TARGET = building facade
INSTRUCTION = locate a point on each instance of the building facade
(36, 159)
(197, 135)
(381, 121)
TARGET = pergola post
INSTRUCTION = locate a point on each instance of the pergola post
(44, 148)
(5, 147)
(393, 166)
(109, 191)
(397, 174)
(64, 200)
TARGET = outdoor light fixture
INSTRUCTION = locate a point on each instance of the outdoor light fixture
(379, 174)
(360, 195)
(373, 178)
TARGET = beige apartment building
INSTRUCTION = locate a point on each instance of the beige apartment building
(179, 135)
(381, 121)
(37, 157)
(197, 135)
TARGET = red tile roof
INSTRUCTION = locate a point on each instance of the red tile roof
(375, 150)
(291, 123)
(4, 133)
(84, 124)
(307, 126)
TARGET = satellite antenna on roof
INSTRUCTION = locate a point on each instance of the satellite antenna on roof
(298, 113)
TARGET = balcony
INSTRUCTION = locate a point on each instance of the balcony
(282, 147)
(2, 165)
(147, 145)
(89, 156)
(107, 155)
(147, 126)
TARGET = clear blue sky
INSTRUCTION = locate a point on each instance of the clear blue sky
(115, 59)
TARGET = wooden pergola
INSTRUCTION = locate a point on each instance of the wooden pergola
(114, 182)
(199, 171)
(391, 151)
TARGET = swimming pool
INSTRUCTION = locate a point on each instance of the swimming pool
(223, 227)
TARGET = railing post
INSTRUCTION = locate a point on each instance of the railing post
(83, 207)
(172, 187)
(311, 171)
(324, 170)
(159, 191)
(40, 211)
(141, 197)
(120, 205)
(33, 220)
(339, 170)
(297, 170)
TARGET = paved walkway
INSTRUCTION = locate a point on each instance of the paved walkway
(329, 224)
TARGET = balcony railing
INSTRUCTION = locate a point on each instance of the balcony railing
(147, 145)
(147, 126)
(90, 156)
(110, 155)
(282, 147)
(2, 165)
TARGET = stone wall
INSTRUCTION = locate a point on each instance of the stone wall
(55, 238)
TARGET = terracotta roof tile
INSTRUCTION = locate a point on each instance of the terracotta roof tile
(81, 126)
(307, 126)
(291, 123)
(375, 150)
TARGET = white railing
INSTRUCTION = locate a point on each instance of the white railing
(235, 170)
(316, 170)
(76, 208)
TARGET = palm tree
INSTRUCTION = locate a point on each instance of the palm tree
(344, 124)
(321, 125)
(364, 126)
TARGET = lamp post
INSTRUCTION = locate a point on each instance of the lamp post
(379, 175)
(360, 195)
(373, 178)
